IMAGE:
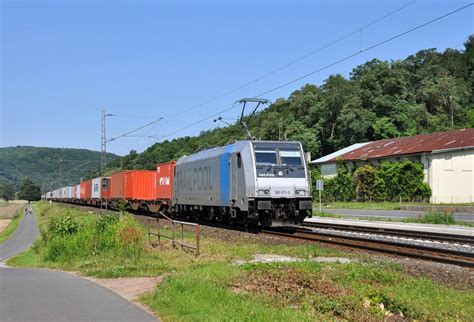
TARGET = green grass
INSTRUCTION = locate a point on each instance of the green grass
(212, 288)
(307, 291)
(102, 246)
(381, 205)
(12, 226)
(439, 218)
(323, 214)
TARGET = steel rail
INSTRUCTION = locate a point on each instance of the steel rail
(445, 237)
(415, 251)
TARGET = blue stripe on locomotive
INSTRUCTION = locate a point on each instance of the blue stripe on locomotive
(225, 176)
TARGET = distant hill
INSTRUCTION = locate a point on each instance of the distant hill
(45, 165)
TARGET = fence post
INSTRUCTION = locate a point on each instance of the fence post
(198, 234)
(159, 230)
(182, 236)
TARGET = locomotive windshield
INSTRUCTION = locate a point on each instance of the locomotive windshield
(279, 160)
(291, 158)
(266, 157)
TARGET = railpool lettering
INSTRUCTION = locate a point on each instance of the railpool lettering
(195, 179)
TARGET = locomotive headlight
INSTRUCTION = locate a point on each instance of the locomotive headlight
(263, 192)
(300, 192)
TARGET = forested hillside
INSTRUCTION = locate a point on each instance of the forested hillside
(426, 92)
(45, 165)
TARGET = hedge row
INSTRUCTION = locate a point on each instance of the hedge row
(387, 181)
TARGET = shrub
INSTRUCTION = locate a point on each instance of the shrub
(364, 180)
(63, 225)
(130, 237)
(104, 221)
(434, 218)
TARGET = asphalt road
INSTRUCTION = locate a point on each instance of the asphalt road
(394, 214)
(48, 295)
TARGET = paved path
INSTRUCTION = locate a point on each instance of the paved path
(47, 295)
(23, 238)
(395, 214)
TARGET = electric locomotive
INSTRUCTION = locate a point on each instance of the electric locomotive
(251, 182)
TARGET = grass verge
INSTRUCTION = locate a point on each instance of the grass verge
(12, 226)
(212, 287)
(438, 218)
(381, 205)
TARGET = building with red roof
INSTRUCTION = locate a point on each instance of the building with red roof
(448, 159)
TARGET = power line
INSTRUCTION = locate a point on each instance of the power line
(70, 170)
(276, 70)
(355, 31)
(135, 130)
(128, 115)
(366, 49)
(334, 63)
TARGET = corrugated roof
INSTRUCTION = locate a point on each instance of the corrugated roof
(411, 145)
(334, 155)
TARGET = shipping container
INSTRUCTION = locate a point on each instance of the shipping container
(70, 192)
(164, 180)
(105, 190)
(86, 189)
(140, 185)
(96, 188)
(64, 192)
(116, 187)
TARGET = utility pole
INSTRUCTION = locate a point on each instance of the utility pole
(61, 161)
(103, 146)
(103, 154)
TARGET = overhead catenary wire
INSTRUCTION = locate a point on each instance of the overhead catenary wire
(387, 40)
(70, 170)
(135, 130)
(280, 68)
(311, 53)
(366, 49)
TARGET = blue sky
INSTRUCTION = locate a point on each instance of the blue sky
(63, 61)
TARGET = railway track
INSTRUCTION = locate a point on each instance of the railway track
(442, 237)
(394, 246)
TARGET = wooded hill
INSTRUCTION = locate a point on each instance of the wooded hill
(45, 165)
(426, 92)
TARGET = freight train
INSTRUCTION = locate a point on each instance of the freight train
(251, 182)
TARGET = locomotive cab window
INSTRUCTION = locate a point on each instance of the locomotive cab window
(266, 157)
(291, 158)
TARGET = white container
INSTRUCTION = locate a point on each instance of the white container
(96, 188)
(78, 192)
(69, 192)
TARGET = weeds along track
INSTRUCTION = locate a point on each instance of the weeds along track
(416, 246)
(444, 248)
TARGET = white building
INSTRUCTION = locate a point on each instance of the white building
(448, 159)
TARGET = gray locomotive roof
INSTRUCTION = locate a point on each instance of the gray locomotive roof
(233, 147)
(212, 152)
